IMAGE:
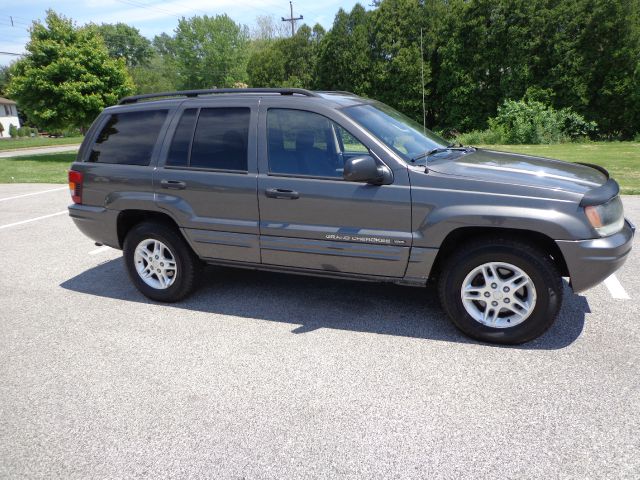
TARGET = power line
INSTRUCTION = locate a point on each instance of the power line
(12, 53)
(292, 19)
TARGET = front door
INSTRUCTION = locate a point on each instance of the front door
(310, 217)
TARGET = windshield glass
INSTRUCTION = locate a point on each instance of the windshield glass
(405, 136)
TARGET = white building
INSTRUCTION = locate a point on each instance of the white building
(8, 116)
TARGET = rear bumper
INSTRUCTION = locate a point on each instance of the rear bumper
(98, 223)
(591, 261)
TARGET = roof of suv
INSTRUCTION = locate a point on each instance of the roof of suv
(337, 98)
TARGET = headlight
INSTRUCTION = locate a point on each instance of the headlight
(607, 218)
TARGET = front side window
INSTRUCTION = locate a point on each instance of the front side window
(128, 138)
(403, 135)
(306, 143)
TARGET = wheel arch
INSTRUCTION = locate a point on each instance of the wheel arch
(457, 238)
(127, 219)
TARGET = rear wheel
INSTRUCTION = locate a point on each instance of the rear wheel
(501, 291)
(160, 263)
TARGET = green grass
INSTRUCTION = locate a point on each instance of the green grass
(621, 159)
(47, 168)
(28, 142)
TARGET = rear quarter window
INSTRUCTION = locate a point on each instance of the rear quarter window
(128, 138)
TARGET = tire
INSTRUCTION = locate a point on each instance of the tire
(176, 281)
(476, 315)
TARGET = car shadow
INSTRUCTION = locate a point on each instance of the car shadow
(311, 303)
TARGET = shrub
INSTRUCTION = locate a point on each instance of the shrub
(637, 137)
(481, 137)
(531, 121)
(13, 131)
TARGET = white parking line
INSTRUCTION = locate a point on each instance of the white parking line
(33, 193)
(32, 220)
(104, 248)
(615, 287)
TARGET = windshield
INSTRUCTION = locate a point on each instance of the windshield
(404, 136)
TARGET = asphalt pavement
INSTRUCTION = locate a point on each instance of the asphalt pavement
(262, 375)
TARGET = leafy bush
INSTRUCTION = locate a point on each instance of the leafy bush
(13, 131)
(533, 122)
(481, 137)
(637, 137)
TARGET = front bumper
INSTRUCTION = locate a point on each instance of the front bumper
(591, 261)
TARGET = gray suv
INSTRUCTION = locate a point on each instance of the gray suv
(333, 184)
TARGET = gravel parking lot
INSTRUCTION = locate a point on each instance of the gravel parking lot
(262, 375)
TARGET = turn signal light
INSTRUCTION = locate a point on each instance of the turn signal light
(75, 185)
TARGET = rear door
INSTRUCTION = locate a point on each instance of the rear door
(309, 216)
(206, 179)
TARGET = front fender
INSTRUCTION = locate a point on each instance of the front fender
(433, 228)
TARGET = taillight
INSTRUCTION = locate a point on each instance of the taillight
(75, 185)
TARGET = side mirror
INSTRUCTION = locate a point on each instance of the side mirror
(364, 168)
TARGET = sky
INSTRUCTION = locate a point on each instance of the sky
(152, 17)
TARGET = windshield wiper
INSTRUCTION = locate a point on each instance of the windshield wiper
(433, 151)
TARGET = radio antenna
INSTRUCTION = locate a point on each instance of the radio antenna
(424, 110)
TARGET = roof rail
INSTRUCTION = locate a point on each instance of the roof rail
(338, 92)
(197, 93)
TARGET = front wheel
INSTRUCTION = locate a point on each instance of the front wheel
(501, 291)
(160, 263)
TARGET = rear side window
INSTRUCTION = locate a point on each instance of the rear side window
(179, 151)
(220, 139)
(128, 138)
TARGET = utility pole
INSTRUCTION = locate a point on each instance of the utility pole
(292, 19)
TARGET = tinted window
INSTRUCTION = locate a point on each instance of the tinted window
(179, 151)
(220, 140)
(128, 138)
(306, 143)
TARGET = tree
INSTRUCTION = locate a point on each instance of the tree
(209, 51)
(124, 41)
(67, 76)
(344, 59)
(5, 76)
(157, 75)
(288, 61)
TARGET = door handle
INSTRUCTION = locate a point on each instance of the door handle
(173, 184)
(281, 193)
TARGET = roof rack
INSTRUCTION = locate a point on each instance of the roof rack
(212, 91)
(338, 92)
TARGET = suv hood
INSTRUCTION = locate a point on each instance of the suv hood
(517, 169)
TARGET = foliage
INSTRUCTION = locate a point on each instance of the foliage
(124, 41)
(158, 75)
(5, 76)
(481, 137)
(13, 130)
(344, 54)
(533, 122)
(286, 62)
(207, 51)
(67, 76)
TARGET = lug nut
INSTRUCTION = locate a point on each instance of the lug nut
(487, 294)
(161, 264)
(506, 300)
(494, 303)
(493, 285)
(505, 289)
(157, 257)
